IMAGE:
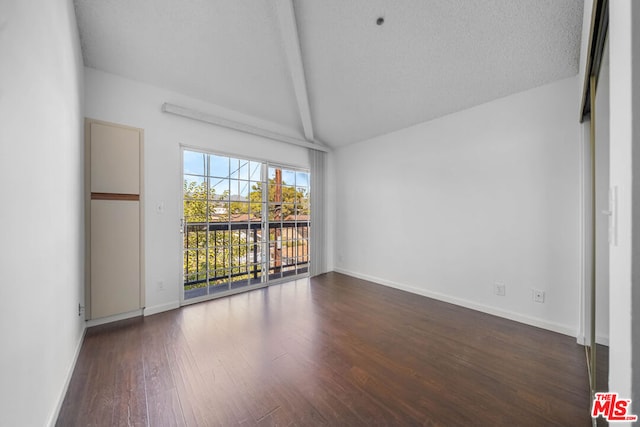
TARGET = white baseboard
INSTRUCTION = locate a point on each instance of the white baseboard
(72, 367)
(114, 318)
(602, 340)
(528, 320)
(148, 311)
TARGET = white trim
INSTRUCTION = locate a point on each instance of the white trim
(208, 150)
(291, 43)
(160, 308)
(222, 294)
(528, 320)
(602, 340)
(180, 234)
(72, 367)
(114, 318)
(253, 130)
(583, 263)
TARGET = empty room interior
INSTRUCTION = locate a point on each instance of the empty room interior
(297, 212)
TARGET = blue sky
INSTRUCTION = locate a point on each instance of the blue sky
(226, 171)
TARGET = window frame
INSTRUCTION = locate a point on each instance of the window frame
(264, 244)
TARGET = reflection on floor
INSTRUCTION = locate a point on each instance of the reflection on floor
(333, 350)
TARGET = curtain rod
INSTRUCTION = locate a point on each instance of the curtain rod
(253, 130)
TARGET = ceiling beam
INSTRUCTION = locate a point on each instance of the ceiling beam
(242, 127)
(291, 42)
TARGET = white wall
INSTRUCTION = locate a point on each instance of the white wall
(602, 201)
(450, 207)
(623, 16)
(41, 207)
(635, 260)
(116, 99)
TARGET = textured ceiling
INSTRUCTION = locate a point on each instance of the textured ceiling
(428, 59)
(227, 52)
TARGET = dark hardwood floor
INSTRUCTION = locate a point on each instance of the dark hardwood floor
(332, 351)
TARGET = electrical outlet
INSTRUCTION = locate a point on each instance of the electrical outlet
(160, 285)
(538, 295)
(500, 289)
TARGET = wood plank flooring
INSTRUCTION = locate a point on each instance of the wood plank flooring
(330, 351)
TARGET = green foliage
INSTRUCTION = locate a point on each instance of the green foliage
(211, 254)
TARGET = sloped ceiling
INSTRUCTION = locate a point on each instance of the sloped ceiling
(429, 57)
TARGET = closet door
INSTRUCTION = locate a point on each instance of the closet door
(115, 159)
(115, 257)
(114, 219)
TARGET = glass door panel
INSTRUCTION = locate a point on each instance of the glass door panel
(289, 222)
(236, 235)
(222, 212)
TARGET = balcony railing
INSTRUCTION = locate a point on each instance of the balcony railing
(288, 254)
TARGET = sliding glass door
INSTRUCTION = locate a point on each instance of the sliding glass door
(245, 222)
(289, 222)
